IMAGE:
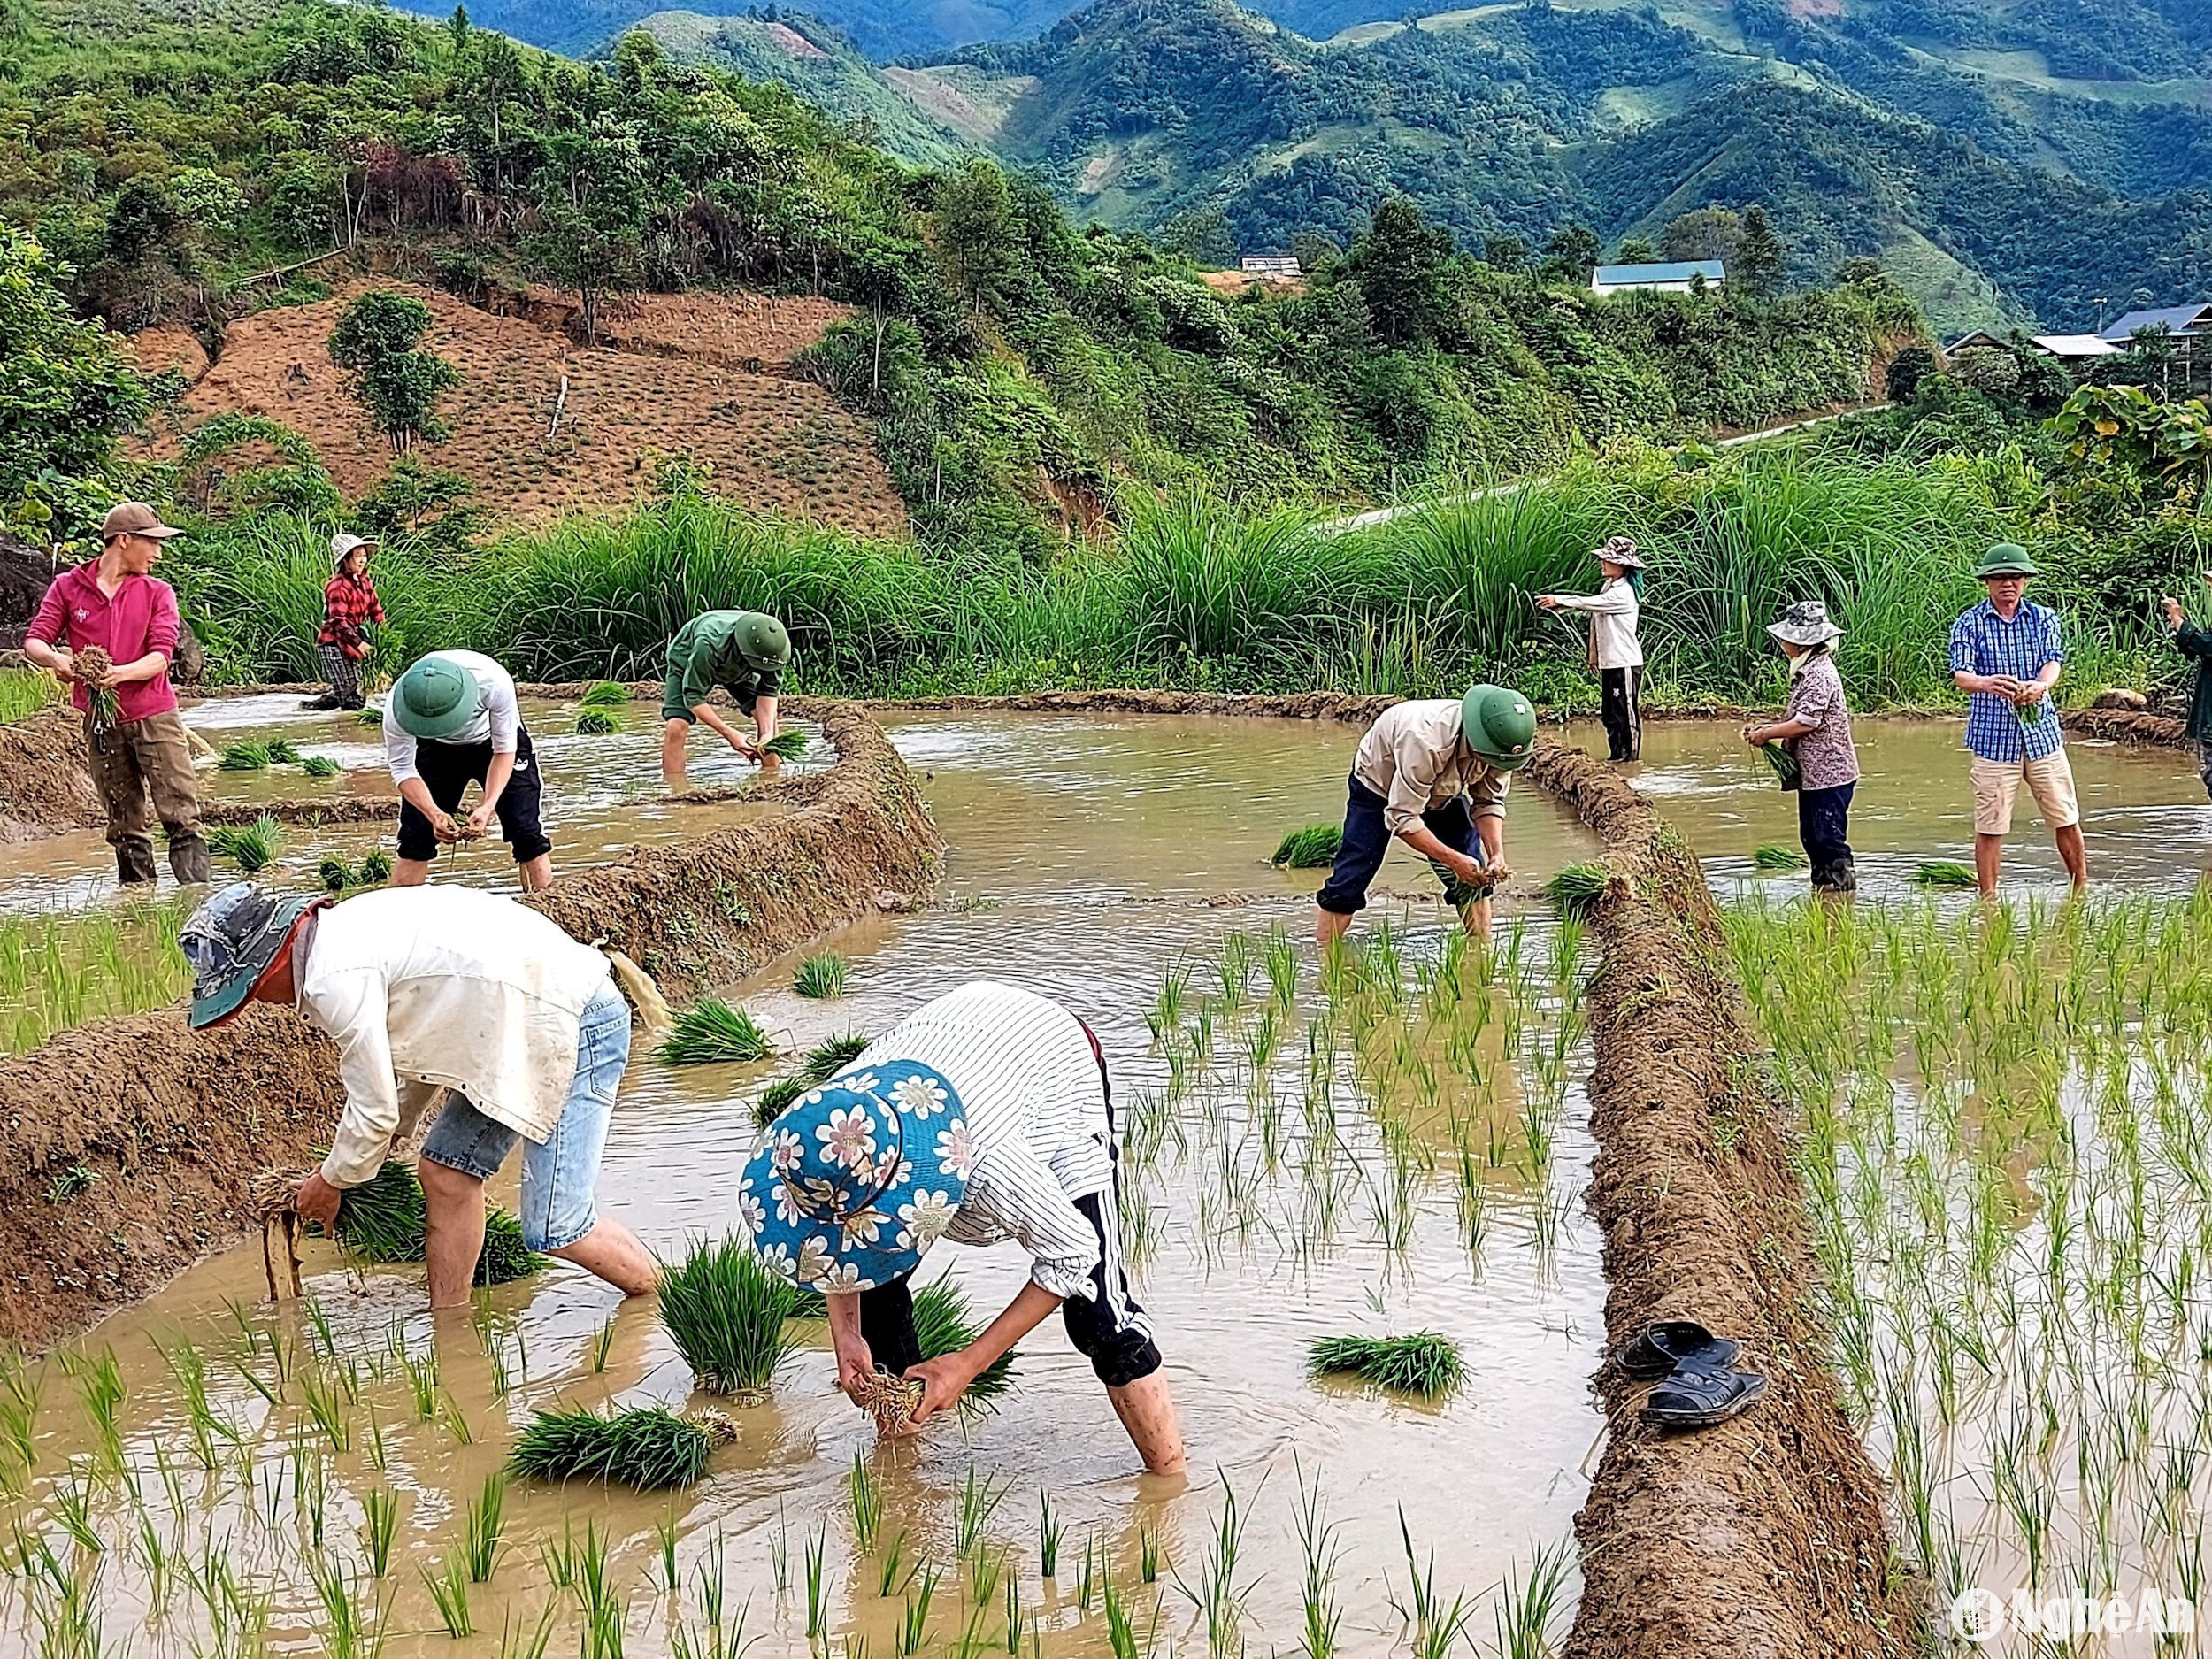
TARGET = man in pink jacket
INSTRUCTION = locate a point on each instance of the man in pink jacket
(134, 739)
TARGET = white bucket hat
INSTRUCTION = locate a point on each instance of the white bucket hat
(343, 543)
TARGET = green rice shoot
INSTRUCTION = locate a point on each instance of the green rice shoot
(376, 866)
(822, 976)
(727, 1310)
(1773, 857)
(598, 723)
(787, 744)
(606, 694)
(1945, 873)
(24, 692)
(246, 757)
(252, 846)
(320, 766)
(368, 715)
(1784, 762)
(1577, 890)
(1424, 1363)
(648, 1448)
(282, 753)
(336, 875)
(1312, 848)
(711, 1031)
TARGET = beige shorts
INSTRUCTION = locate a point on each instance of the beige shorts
(1997, 784)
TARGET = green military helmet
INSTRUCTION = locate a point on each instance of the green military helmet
(435, 699)
(1500, 725)
(762, 642)
(2007, 558)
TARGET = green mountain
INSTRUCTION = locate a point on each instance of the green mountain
(884, 29)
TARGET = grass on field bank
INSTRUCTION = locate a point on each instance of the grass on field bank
(1199, 594)
(25, 691)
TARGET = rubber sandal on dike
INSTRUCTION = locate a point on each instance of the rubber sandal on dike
(1676, 1344)
(1699, 1399)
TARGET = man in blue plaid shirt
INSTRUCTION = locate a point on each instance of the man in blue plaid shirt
(2006, 654)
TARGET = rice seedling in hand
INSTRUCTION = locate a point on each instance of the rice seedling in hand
(1577, 890)
(1773, 857)
(607, 694)
(727, 1312)
(282, 753)
(786, 745)
(648, 1447)
(821, 976)
(1313, 847)
(254, 846)
(246, 757)
(1423, 1364)
(711, 1031)
(320, 766)
(1944, 874)
(598, 722)
(1783, 762)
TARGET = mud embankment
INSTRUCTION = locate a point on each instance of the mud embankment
(126, 1145)
(2124, 725)
(43, 787)
(1766, 1535)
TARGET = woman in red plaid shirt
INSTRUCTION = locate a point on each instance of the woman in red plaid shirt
(350, 605)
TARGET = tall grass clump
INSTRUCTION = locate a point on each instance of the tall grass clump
(648, 1447)
(1313, 847)
(711, 1032)
(726, 1311)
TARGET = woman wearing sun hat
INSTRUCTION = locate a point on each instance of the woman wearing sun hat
(453, 718)
(1614, 650)
(985, 1115)
(350, 605)
(1817, 725)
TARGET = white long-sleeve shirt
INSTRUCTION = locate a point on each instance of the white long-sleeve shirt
(498, 716)
(423, 988)
(1612, 622)
(1035, 1107)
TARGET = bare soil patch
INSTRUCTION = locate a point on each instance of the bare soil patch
(771, 442)
(2125, 726)
(44, 785)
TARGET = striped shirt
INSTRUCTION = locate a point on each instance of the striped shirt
(1983, 642)
(1035, 1107)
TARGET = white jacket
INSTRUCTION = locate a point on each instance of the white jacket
(1612, 623)
(423, 988)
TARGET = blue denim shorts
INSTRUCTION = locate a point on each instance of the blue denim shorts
(559, 1173)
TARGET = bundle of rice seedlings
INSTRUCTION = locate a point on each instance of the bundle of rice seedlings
(891, 1401)
(1577, 890)
(820, 976)
(282, 753)
(607, 694)
(370, 715)
(598, 722)
(336, 875)
(727, 1310)
(1784, 762)
(1423, 1364)
(647, 1447)
(945, 1323)
(1772, 856)
(247, 756)
(93, 662)
(320, 766)
(253, 846)
(384, 1219)
(376, 867)
(779, 1098)
(823, 1062)
(711, 1031)
(786, 745)
(1944, 872)
(1312, 848)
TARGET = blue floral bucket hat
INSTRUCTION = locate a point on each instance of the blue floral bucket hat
(854, 1181)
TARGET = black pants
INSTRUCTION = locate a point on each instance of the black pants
(446, 770)
(1616, 706)
(1367, 839)
(1824, 825)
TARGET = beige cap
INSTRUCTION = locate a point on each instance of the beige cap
(136, 518)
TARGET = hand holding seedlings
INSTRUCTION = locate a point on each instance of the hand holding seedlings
(317, 1202)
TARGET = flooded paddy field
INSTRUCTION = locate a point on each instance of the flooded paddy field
(1401, 1149)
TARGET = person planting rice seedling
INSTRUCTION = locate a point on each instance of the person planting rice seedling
(349, 605)
(985, 1115)
(1817, 728)
(449, 990)
(2192, 639)
(1433, 773)
(453, 718)
(745, 653)
(2006, 654)
(1615, 651)
(111, 630)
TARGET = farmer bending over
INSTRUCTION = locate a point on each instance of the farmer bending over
(425, 989)
(453, 718)
(1433, 773)
(743, 651)
(985, 1115)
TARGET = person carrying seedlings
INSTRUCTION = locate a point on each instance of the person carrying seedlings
(2192, 639)
(350, 605)
(432, 989)
(743, 651)
(2006, 654)
(111, 630)
(985, 1115)
(1432, 773)
(1817, 725)
(453, 718)
(1614, 650)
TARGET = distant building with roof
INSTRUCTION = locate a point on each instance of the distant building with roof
(1269, 264)
(2070, 347)
(2188, 329)
(1675, 276)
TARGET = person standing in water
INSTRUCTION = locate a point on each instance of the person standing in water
(1614, 650)
(453, 717)
(1817, 725)
(746, 653)
(350, 605)
(2192, 639)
